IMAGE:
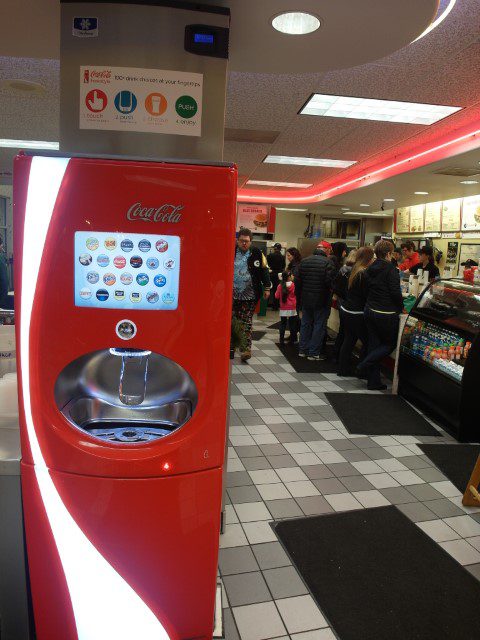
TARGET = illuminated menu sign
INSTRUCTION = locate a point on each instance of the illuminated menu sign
(433, 216)
(451, 214)
(126, 271)
(402, 220)
(417, 218)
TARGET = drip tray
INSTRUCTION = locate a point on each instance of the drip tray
(127, 431)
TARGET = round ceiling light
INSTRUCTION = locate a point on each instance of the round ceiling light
(24, 86)
(296, 23)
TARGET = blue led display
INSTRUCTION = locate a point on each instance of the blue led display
(203, 38)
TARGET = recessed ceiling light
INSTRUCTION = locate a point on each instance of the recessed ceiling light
(288, 209)
(310, 162)
(267, 183)
(25, 86)
(29, 144)
(389, 199)
(296, 23)
(469, 182)
(345, 208)
(370, 109)
(421, 193)
(364, 205)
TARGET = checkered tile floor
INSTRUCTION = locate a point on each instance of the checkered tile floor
(291, 456)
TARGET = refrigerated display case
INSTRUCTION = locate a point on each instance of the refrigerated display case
(439, 364)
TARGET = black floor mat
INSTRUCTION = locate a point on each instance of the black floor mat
(302, 365)
(379, 415)
(377, 576)
(456, 461)
(276, 325)
(258, 335)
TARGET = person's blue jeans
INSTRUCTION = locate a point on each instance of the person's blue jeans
(312, 330)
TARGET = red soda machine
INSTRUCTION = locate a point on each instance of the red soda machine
(123, 286)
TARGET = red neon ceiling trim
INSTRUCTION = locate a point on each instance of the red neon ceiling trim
(450, 146)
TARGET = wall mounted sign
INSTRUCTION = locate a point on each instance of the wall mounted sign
(402, 220)
(417, 218)
(254, 217)
(451, 214)
(433, 216)
(471, 214)
(142, 100)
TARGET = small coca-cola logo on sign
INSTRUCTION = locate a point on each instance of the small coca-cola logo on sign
(165, 213)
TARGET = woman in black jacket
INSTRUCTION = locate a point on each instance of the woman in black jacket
(293, 260)
(351, 311)
(383, 306)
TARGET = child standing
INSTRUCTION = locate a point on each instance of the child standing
(288, 307)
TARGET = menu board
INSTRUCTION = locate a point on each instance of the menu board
(471, 214)
(402, 217)
(470, 252)
(254, 217)
(126, 271)
(451, 215)
(433, 216)
(417, 218)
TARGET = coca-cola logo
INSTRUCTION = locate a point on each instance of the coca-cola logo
(106, 74)
(165, 213)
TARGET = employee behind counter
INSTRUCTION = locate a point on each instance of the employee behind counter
(427, 264)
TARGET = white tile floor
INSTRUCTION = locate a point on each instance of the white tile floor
(291, 456)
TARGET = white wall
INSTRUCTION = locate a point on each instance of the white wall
(289, 227)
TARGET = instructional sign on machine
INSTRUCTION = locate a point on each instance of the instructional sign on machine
(145, 100)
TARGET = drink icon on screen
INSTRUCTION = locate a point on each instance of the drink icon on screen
(144, 245)
(85, 259)
(126, 245)
(152, 263)
(135, 296)
(142, 279)
(119, 295)
(109, 279)
(92, 244)
(168, 298)
(160, 280)
(161, 246)
(119, 262)
(152, 297)
(169, 263)
(125, 102)
(126, 278)
(103, 260)
(102, 295)
(92, 277)
(136, 262)
(85, 293)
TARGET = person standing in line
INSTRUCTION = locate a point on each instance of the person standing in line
(340, 287)
(351, 311)
(250, 276)
(276, 263)
(383, 306)
(397, 257)
(314, 287)
(293, 261)
(4, 302)
(410, 256)
(426, 263)
(285, 293)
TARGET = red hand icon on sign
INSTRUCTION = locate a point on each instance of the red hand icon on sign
(96, 100)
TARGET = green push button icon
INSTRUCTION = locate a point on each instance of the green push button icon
(186, 106)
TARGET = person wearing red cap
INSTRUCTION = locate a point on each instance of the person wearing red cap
(326, 247)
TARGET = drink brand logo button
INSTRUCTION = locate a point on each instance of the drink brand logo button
(135, 296)
(164, 213)
(152, 263)
(103, 260)
(161, 246)
(169, 263)
(119, 295)
(85, 259)
(126, 245)
(92, 244)
(102, 295)
(85, 293)
(168, 298)
(126, 278)
(152, 297)
(145, 245)
(136, 262)
(93, 277)
(160, 280)
(119, 262)
(110, 244)
(109, 279)
(142, 279)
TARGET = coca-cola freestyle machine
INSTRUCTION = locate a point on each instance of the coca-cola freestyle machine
(124, 277)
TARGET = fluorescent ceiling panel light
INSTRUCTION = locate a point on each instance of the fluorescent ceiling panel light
(364, 205)
(29, 144)
(421, 193)
(310, 162)
(345, 209)
(389, 199)
(370, 109)
(288, 209)
(469, 182)
(267, 183)
(296, 23)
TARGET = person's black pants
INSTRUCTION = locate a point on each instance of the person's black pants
(275, 282)
(354, 329)
(382, 340)
(292, 322)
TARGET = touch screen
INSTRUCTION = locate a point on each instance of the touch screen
(126, 271)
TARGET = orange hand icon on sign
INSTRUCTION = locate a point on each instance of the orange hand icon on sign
(96, 100)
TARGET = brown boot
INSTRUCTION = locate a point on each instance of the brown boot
(246, 355)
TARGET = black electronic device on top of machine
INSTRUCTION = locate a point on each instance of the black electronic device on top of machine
(439, 360)
(205, 40)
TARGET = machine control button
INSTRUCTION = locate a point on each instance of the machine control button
(126, 329)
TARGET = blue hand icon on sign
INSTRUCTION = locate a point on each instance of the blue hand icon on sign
(125, 102)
